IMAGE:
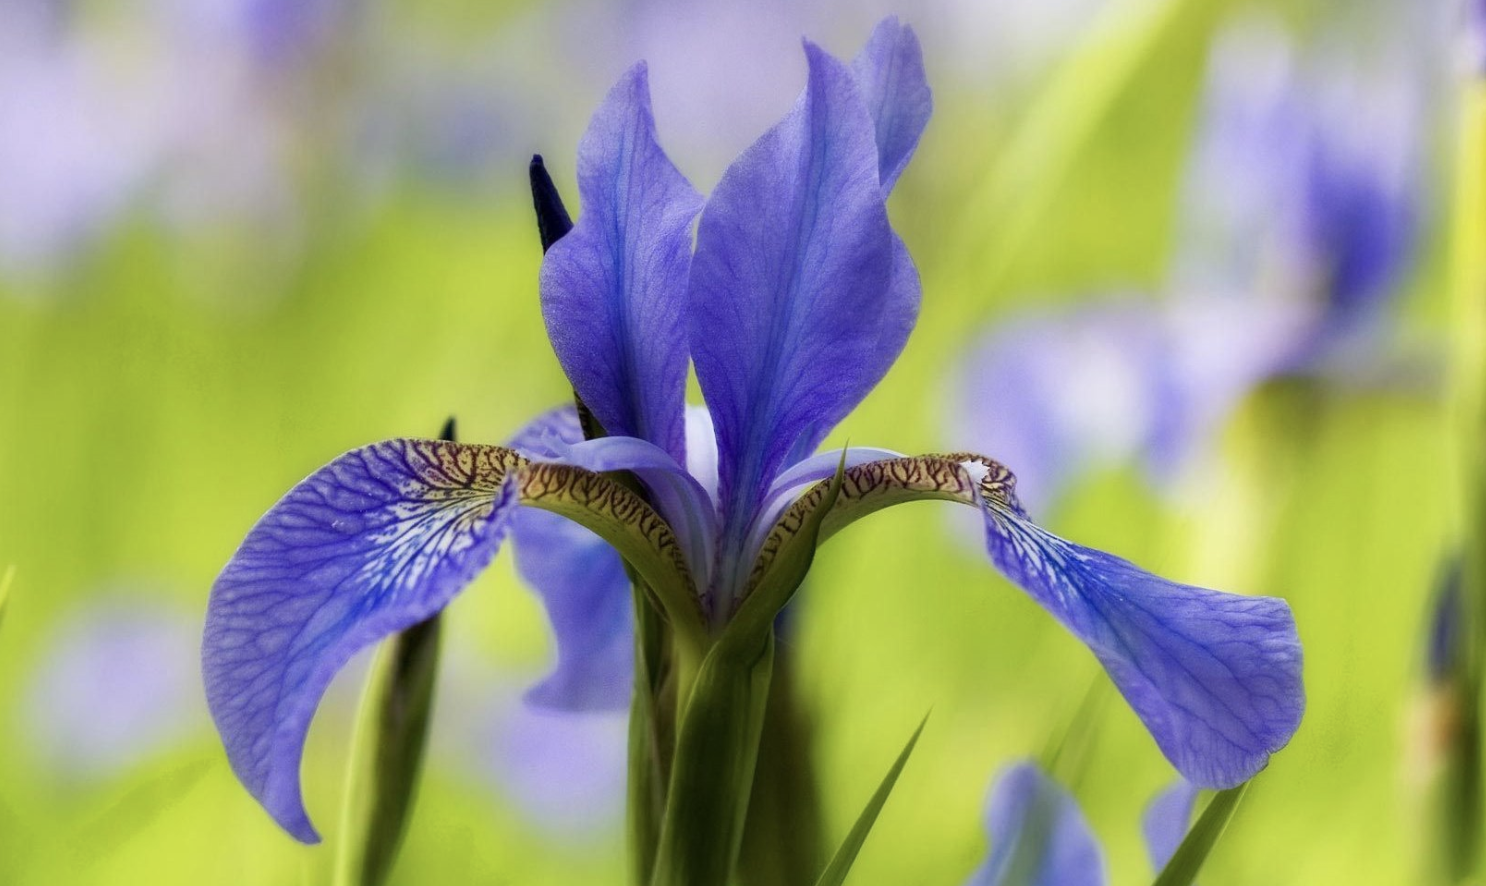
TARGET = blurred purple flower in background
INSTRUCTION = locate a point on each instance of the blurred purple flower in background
(564, 770)
(1297, 223)
(75, 140)
(1039, 836)
(115, 686)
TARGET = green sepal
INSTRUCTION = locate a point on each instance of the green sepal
(1190, 856)
(835, 872)
(387, 754)
(784, 560)
(712, 772)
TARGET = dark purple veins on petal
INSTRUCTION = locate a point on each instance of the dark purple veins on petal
(1215, 677)
(378, 540)
(614, 288)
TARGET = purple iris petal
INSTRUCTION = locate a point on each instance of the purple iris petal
(614, 288)
(1039, 837)
(1166, 820)
(680, 497)
(789, 287)
(1215, 677)
(582, 583)
(1361, 199)
(890, 74)
(376, 541)
(586, 593)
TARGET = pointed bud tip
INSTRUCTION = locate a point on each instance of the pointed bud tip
(553, 220)
(448, 431)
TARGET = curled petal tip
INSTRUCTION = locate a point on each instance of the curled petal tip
(374, 542)
(1215, 677)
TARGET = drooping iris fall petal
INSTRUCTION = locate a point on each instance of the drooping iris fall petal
(378, 540)
(1215, 677)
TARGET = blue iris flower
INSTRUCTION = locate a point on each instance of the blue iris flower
(1297, 223)
(796, 299)
(1039, 836)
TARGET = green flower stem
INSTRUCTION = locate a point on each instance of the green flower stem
(387, 754)
(1461, 789)
(712, 774)
(783, 836)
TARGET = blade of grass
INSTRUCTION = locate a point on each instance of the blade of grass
(835, 873)
(1190, 856)
(6, 580)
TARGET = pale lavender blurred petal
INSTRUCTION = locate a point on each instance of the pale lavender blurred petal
(1166, 819)
(1056, 394)
(1039, 836)
(116, 684)
(75, 140)
(564, 771)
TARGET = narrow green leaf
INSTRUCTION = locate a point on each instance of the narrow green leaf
(1189, 857)
(712, 773)
(835, 873)
(5, 582)
(387, 754)
(1066, 758)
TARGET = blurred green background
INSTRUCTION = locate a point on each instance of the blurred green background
(333, 245)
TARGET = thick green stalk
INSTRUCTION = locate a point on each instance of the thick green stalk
(782, 839)
(652, 737)
(712, 774)
(387, 749)
(1461, 785)
(387, 754)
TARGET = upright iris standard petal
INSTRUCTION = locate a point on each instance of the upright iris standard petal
(1215, 677)
(890, 74)
(1166, 820)
(614, 288)
(378, 540)
(789, 286)
(1038, 835)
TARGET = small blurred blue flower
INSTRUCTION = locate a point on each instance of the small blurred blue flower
(1039, 836)
(114, 686)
